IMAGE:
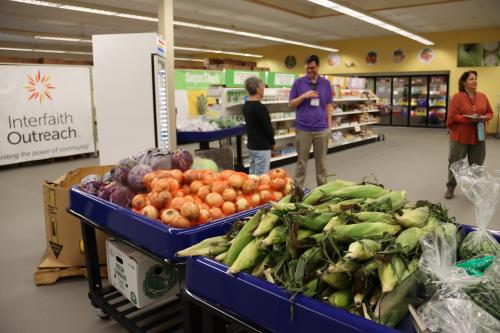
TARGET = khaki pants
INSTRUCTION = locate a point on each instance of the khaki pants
(303, 142)
(475, 155)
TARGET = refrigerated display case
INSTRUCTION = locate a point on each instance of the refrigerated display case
(383, 88)
(418, 101)
(438, 100)
(400, 94)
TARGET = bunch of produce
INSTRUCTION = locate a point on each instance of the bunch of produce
(120, 185)
(186, 199)
(354, 246)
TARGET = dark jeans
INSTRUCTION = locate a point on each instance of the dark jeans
(475, 155)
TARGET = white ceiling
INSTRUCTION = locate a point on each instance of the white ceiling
(294, 19)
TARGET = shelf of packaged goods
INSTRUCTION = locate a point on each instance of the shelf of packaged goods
(339, 114)
(282, 119)
(280, 137)
(354, 99)
(345, 126)
(290, 155)
(274, 102)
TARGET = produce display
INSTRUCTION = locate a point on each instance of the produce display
(354, 246)
(203, 125)
(182, 192)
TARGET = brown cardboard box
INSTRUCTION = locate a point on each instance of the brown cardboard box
(63, 231)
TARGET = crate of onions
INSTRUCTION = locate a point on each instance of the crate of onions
(166, 210)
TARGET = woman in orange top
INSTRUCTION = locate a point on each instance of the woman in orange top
(467, 114)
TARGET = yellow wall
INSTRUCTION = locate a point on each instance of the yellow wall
(355, 50)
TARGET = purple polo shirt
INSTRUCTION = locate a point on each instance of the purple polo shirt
(311, 118)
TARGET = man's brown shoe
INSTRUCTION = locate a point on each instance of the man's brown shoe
(449, 192)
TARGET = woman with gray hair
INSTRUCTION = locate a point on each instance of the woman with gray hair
(260, 132)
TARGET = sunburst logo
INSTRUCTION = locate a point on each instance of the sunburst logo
(39, 87)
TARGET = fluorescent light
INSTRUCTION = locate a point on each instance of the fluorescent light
(251, 34)
(64, 39)
(42, 50)
(177, 23)
(185, 48)
(189, 59)
(370, 19)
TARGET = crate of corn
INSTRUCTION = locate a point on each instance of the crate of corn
(343, 257)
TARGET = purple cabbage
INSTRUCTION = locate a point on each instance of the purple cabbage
(122, 196)
(182, 160)
(122, 169)
(135, 177)
(163, 162)
(91, 184)
(106, 190)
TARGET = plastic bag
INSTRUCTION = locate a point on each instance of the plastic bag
(482, 188)
(450, 309)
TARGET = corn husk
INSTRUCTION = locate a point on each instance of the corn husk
(414, 218)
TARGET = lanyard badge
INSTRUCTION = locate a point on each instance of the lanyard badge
(313, 86)
(480, 131)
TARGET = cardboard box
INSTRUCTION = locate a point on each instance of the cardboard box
(63, 231)
(140, 278)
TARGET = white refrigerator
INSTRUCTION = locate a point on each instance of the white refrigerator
(131, 95)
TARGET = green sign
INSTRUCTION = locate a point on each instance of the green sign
(236, 78)
(186, 79)
(280, 80)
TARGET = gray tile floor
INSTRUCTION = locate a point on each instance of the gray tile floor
(411, 159)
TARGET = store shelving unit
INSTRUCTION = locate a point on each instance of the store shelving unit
(230, 101)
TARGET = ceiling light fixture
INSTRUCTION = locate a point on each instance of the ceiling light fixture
(195, 49)
(63, 39)
(42, 50)
(177, 23)
(370, 19)
(189, 59)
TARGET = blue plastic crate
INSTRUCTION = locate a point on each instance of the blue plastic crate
(267, 306)
(189, 137)
(149, 234)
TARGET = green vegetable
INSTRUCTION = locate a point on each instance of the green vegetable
(334, 221)
(336, 280)
(342, 299)
(343, 266)
(317, 223)
(204, 164)
(269, 220)
(365, 230)
(277, 235)
(414, 218)
(390, 273)
(360, 191)
(339, 207)
(243, 238)
(374, 217)
(408, 239)
(363, 249)
(261, 267)
(208, 246)
(247, 258)
(479, 242)
(392, 201)
(315, 195)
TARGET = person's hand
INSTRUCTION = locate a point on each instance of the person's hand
(477, 120)
(310, 94)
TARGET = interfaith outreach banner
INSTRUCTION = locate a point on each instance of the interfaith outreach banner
(45, 111)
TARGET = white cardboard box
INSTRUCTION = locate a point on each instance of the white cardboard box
(140, 278)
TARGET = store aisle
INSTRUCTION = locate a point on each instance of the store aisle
(411, 159)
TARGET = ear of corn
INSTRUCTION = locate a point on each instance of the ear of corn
(390, 273)
(316, 223)
(363, 250)
(247, 258)
(243, 238)
(277, 235)
(414, 218)
(343, 266)
(261, 267)
(336, 280)
(408, 239)
(311, 288)
(375, 297)
(334, 221)
(360, 191)
(339, 207)
(431, 224)
(342, 299)
(410, 268)
(303, 234)
(393, 200)
(203, 247)
(221, 256)
(315, 195)
(269, 220)
(365, 230)
(374, 217)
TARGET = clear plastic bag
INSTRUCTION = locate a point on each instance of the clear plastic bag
(482, 188)
(450, 309)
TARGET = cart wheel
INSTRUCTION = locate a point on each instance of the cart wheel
(103, 315)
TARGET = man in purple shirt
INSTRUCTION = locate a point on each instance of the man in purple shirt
(311, 95)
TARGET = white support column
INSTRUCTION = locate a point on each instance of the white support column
(166, 31)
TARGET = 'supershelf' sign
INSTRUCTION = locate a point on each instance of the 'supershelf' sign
(45, 111)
